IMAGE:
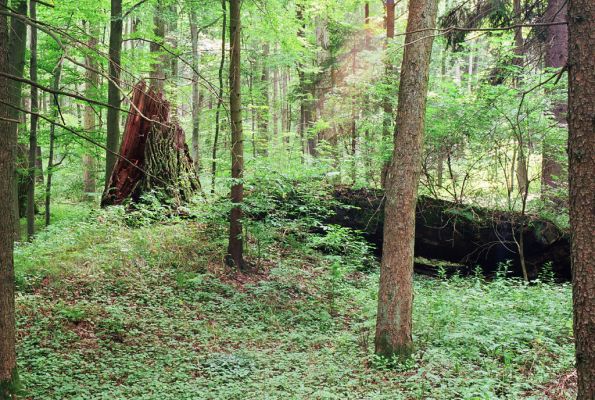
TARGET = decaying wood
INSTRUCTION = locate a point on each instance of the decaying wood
(154, 156)
(469, 236)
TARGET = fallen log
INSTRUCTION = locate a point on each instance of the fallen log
(468, 236)
(154, 158)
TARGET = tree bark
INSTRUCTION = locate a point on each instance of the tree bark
(50, 168)
(197, 98)
(219, 98)
(33, 130)
(389, 75)
(235, 248)
(16, 56)
(556, 56)
(263, 109)
(89, 124)
(581, 142)
(395, 295)
(158, 66)
(114, 100)
(8, 142)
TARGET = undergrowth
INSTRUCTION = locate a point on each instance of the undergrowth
(110, 310)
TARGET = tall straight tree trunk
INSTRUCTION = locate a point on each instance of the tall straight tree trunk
(196, 95)
(581, 145)
(33, 131)
(50, 169)
(263, 109)
(219, 98)
(395, 296)
(16, 56)
(91, 86)
(113, 93)
(518, 61)
(8, 143)
(235, 249)
(389, 75)
(158, 66)
(556, 56)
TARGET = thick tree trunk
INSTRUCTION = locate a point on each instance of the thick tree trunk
(8, 141)
(113, 123)
(235, 248)
(89, 124)
(33, 132)
(395, 295)
(16, 66)
(154, 156)
(581, 145)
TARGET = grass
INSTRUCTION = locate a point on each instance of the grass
(106, 311)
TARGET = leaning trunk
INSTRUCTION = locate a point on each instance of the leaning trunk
(395, 295)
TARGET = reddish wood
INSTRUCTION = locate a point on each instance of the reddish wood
(149, 112)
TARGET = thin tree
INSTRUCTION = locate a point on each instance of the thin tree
(33, 131)
(581, 157)
(8, 142)
(389, 74)
(114, 100)
(556, 56)
(395, 296)
(219, 98)
(158, 65)
(197, 97)
(236, 246)
(50, 169)
(91, 85)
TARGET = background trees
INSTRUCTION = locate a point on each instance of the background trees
(312, 102)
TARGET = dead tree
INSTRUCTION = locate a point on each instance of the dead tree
(153, 158)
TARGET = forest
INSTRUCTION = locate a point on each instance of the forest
(297, 199)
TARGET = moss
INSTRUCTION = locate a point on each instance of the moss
(11, 387)
(387, 350)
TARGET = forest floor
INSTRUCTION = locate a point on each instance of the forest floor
(109, 311)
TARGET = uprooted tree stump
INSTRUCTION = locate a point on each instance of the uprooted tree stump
(467, 236)
(154, 158)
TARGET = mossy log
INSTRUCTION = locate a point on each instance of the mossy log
(468, 236)
(154, 158)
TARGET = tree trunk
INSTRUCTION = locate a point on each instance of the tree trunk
(581, 142)
(197, 97)
(8, 141)
(33, 132)
(89, 124)
(159, 63)
(219, 98)
(389, 77)
(556, 56)
(154, 157)
(16, 56)
(395, 296)
(113, 121)
(263, 109)
(235, 249)
(50, 169)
